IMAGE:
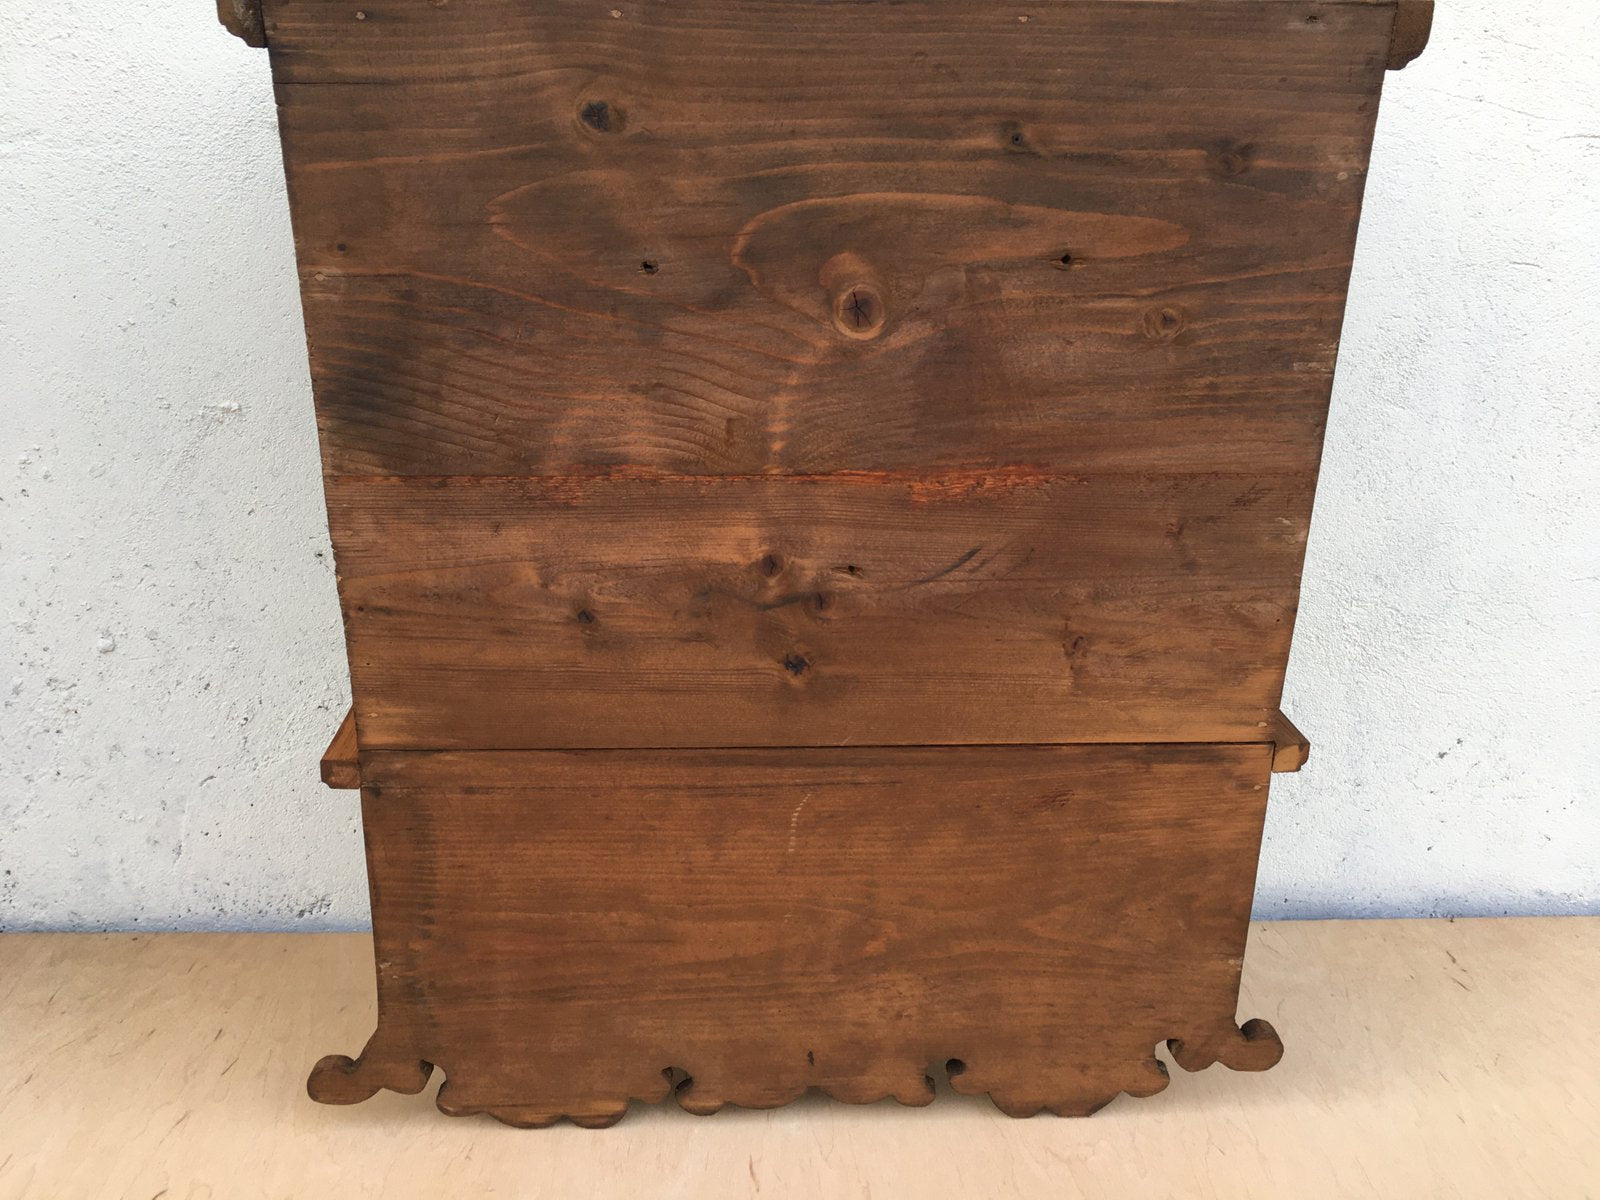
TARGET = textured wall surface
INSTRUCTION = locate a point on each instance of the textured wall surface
(173, 662)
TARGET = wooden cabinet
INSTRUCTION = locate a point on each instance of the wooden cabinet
(819, 492)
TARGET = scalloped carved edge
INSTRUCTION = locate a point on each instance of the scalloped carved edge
(243, 19)
(1413, 24)
(1254, 1046)
(340, 1079)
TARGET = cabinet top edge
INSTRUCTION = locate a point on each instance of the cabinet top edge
(246, 20)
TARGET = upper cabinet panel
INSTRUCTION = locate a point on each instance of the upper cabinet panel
(558, 237)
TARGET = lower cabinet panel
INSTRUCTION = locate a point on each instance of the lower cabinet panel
(561, 932)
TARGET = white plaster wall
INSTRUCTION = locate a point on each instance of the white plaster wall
(172, 662)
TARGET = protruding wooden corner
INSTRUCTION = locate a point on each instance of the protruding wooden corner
(1413, 22)
(243, 19)
(341, 766)
(1290, 747)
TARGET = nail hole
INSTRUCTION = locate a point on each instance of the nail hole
(649, 268)
(1313, 19)
(585, 617)
(795, 664)
(342, 248)
(1065, 260)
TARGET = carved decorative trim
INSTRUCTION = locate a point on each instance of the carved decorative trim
(1069, 1088)
(340, 1079)
(243, 19)
(1254, 1046)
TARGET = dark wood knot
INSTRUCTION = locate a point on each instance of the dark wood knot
(1231, 159)
(600, 116)
(858, 311)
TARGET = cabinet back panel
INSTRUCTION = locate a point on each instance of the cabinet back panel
(540, 238)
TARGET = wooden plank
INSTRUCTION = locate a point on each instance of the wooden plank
(562, 931)
(341, 766)
(1003, 607)
(543, 239)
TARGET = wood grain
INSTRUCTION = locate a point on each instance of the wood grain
(1004, 607)
(537, 239)
(555, 930)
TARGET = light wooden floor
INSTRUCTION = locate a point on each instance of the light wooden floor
(1425, 1059)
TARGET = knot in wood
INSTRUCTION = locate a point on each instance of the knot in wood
(600, 116)
(858, 311)
(1164, 324)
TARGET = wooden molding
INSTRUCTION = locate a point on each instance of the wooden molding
(340, 766)
(1290, 747)
(243, 19)
(1413, 22)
